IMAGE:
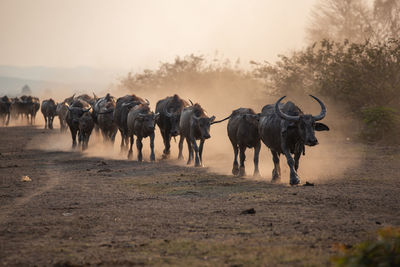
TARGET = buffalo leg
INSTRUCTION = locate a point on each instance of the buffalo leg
(139, 146)
(122, 140)
(51, 122)
(181, 139)
(256, 157)
(152, 155)
(235, 168)
(242, 155)
(197, 162)
(294, 178)
(73, 135)
(167, 144)
(130, 148)
(190, 148)
(201, 151)
(8, 119)
(45, 122)
(276, 172)
(296, 160)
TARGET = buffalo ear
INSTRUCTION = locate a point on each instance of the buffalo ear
(212, 119)
(321, 127)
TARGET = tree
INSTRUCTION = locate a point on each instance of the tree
(26, 90)
(340, 20)
(386, 19)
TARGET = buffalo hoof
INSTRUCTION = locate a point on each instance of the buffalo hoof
(275, 180)
(180, 157)
(235, 170)
(152, 158)
(130, 155)
(257, 174)
(198, 165)
(165, 156)
(242, 171)
(294, 181)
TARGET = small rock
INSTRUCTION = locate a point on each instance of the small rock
(26, 178)
(67, 214)
(105, 170)
(308, 184)
(377, 222)
(249, 211)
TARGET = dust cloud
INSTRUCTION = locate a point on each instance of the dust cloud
(335, 154)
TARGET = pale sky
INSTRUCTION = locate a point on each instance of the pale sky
(140, 34)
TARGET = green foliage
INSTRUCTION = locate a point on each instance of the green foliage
(381, 123)
(383, 251)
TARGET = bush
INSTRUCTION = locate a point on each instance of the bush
(383, 251)
(380, 124)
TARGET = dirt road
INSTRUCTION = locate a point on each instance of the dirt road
(80, 210)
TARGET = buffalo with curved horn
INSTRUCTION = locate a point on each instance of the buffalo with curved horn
(75, 112)
(195, 125)
(285, 129)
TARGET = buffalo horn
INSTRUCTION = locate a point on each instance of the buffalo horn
(283, 115)
(323, 110)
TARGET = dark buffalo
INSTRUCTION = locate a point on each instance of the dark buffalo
(122, 107)
(62, 112)
(75, 112)
(5, 104)
(87, 98)
(25, 106)
(194, 125)
(285, 129)
(170, 109)
(141, 122)
(104, 110)
(86, 125)
(69, 100)
(243, 133)
(49, 111)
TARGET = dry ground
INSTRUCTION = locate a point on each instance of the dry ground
(80, 210)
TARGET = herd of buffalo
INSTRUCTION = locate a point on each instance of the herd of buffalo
(282, 127)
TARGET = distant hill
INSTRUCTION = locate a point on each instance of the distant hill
(48, 79)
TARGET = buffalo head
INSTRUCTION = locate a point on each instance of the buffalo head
(305, 124)
(202, 125)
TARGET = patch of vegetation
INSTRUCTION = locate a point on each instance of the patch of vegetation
(381, 124)
(383, 251)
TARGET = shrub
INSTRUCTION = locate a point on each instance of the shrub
(380, 124)
(383, 251)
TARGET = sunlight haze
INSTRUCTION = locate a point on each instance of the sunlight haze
(139, 34)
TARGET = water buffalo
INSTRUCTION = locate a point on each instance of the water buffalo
(141, 122)
(69, 100)
(285, 129)
(25, 106)
(62, 112)
(75, 111)
(122, 107)
(49, 111)
(243, 132)
(104, 112)
(170, 109)
(86, 125)
(87, 99)
(194, 125)
(5, 104)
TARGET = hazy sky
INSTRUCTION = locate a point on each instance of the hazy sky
(138, 34)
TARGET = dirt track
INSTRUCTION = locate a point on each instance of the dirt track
(83, 210)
